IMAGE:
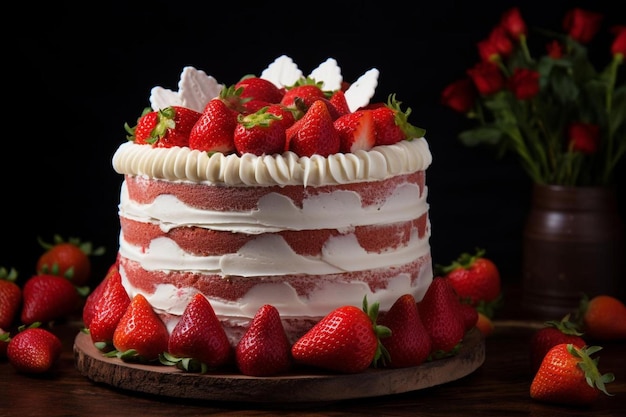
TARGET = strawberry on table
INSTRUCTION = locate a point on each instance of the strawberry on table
(264, 349)
(10, 297)
(46, 298)
(409, 343)
(602, 317)
(108, 309)
(198, 342)
(440, 312)
(89, 309)
(140, 335)
(476, 279)
(484, 324)
(568, 375)
(34, 350)
(70, 259)
(469, 315)
(553, 333)
(5, 337)
(346, 340)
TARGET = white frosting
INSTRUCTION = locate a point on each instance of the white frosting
(185, 164)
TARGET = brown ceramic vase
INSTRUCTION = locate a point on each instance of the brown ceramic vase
(573, 244)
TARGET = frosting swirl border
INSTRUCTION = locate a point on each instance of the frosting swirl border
(185, 164)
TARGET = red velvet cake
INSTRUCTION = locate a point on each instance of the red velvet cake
(305, 234)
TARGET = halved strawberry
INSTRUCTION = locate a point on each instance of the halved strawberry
(314, 133)
(356, 131)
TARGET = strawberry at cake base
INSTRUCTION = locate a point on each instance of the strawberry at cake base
(305, 235)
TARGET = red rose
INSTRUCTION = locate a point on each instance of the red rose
(513, 23)
(524, 83)
(459, 95)
(554, 49)
(582, 25)
(486, 77)
(584, 137)
(487, 50)
(619, 43)
(498, 44)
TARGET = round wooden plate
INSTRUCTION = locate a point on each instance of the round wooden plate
(310, 387)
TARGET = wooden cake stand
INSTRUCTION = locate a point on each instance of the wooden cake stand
(291, 388)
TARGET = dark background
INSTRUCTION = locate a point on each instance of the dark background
(75, 74)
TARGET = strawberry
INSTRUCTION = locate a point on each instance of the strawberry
(108, 309)
(34, 350)
(264, 349)
(339, 102)
(602, 317)
(260, 133)
(303, 95)
(89, 309)
(409, 343)
(392, 125)
(440, 313)
(569, 376)
(356, 131)
(10, 297)
(47, 298)
(314, 133)
(476, 279)
(553, 333)
(484, 324)
(70, 259)
(469, 315)
(198, 341)
(346, 340)
(164, 128)
(140, 335)
(256, 88)
(214, 130)
(5, 337)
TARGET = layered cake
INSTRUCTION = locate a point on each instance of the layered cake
(305, 234)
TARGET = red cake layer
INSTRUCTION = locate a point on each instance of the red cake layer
(224, 198)
(233, 288)
(204, 242)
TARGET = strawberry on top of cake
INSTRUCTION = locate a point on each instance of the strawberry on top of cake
(280, 189)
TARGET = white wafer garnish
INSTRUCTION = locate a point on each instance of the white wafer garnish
(283, 72)
(362, 90)
(195, 89)
(329, 74)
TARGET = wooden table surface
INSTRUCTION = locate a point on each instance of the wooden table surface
(500, 387)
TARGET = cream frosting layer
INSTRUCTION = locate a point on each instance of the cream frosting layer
(330, 294)
(185, 164)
